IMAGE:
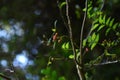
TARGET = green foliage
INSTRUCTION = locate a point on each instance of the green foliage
(94, 27)
(71, 56)
(66, 46)
(50, 74)
(102, 26)
(93, 40)
(100, 22)
(61, 78)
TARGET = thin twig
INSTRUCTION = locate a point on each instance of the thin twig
(70, 29)
(82, 29)
(106, 63)
(63, 19)
(78, 66)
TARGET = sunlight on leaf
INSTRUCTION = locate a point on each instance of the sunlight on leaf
(93, 45)
(89, 9)
(62, 4)
(54, 30)
(95, 39)
(94, 27)
(100, 19)
(66, 45)
(49, 63)
(93, 36)
(84, 9)
(100, 27)
(71, 56)
(89, 39)
(84, 42)
(63, 45)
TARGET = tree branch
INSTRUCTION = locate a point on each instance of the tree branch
(106, 63)
(81, 34)
(79, 70)
(70, 30)
(5, 77)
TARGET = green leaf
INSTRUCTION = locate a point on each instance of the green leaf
(86, 76)
(84, 42)
(46, 71)
(100, 27)
(89, 9)
(49, 63)
(62, 4)
(93, 45)
(71, 56)
(89, 15)
(108, 21)
(95, 21)
(77, 50)
(96, 39)
(54, 30)
(94, 27)
(89, 39)
(84, 9)
(63, 45)
(107, 31)
(93, 36)
(61, 78)
(111, 22)
(104, 19)
(115, 26)
(90, 4)
(67, 46)
(54, 75)
(100, 19)
(99, 12)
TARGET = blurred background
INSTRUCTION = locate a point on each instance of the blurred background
(25, 29)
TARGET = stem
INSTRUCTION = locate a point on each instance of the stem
(70, 29)
(81, 35)
(106, 63)
(63, 19)
(81, 71)
(79, 68)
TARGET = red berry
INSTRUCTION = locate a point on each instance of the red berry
(86, 49)
(55, 36)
